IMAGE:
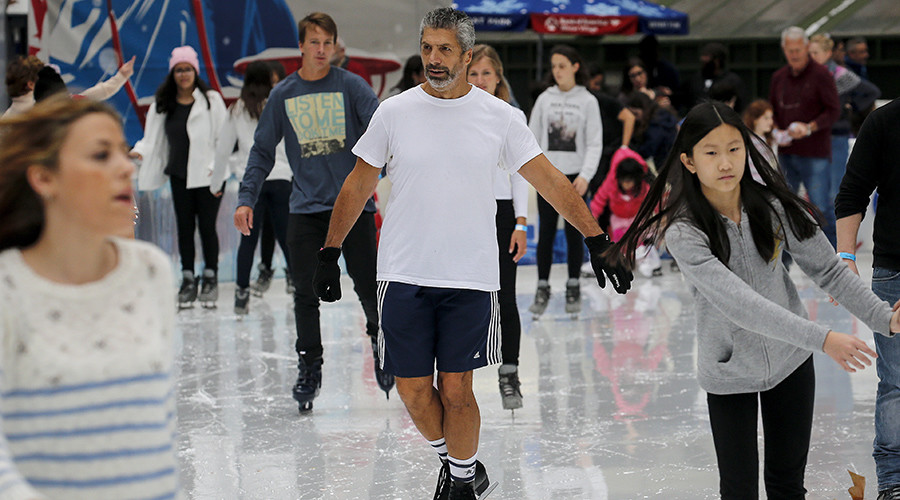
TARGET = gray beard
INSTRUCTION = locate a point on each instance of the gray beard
(442, 85)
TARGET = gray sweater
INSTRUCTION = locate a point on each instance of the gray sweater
(753, 330)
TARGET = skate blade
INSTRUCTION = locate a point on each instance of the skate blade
(306, 408)
(491, 487)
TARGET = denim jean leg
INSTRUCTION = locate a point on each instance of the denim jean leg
(840, 151)
(817, 180)
(886, 447)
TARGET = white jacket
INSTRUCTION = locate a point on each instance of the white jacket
(240, 126)
(203, 127)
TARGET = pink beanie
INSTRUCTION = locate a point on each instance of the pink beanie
(184, 54)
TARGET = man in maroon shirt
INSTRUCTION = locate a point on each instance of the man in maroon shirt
(805, 103)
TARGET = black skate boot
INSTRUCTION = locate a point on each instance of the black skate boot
(263, 281)
(385, 380)
(509, 390)
(541, 297)
(442, 490)
(288, 282)
(309, 381)
(573, 300)
(241, 300)
(479, 488)
(187, 294)
(209, 289)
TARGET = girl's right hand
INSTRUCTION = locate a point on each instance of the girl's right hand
(895, 319)
(848, 351)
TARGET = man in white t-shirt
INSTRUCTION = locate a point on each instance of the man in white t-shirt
(438, 275)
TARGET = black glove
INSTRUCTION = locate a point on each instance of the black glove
(619, 276)
(327, 280)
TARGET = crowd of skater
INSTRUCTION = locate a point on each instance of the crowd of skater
(695, 169)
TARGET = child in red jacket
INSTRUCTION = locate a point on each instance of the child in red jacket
(625, 187)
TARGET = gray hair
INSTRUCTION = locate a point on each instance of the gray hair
(794, 33)
(450, 19)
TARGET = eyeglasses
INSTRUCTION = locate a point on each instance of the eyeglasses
(635, 74)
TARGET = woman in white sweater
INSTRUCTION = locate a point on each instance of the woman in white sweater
(86, 318)
(274, 197)
(566, 122)
(180, 143)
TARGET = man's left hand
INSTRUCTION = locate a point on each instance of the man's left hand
(619, 276)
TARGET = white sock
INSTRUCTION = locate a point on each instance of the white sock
(463, 470)
(440, 446)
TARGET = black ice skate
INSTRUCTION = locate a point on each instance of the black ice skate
(187, 294)
(309, 381)
(263, 281)
(573, 300)
(209, 289)
(241, 301)
(480, 488)
(442, 490)
(385, 380)
(509, 391)
(541, 298)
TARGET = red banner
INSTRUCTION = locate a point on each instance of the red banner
(574, 24)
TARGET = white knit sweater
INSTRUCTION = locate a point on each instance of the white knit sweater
(86, 383)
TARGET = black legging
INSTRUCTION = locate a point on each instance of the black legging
(547, 219)
(510, 326)
(272, 204)
(196, 208)
(787, 412)
(267, 242)
(306, 235)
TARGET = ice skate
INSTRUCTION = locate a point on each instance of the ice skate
(288, 282)
(309, 381)
(241, 300)
(510, 394)
(479, 488)
(385, 380)
(442, 490)
(573, 300)
(263, 281)
(209, 289)
(541, 298)
(187, 294)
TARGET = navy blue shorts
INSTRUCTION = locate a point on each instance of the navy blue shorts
(422, 327)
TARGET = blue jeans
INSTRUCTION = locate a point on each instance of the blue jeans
(886, 448)
(815, 174)
(840, 151)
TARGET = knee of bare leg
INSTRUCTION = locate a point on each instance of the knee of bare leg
(414, 392)
(455, 388)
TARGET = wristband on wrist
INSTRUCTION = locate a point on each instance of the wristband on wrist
(521, 227)
(847, 256)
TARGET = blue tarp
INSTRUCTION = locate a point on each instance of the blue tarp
(516, 15)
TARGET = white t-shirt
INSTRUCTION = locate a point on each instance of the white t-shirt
(512, 186)
(442, 156)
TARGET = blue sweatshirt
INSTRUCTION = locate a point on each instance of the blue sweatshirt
(320, 122)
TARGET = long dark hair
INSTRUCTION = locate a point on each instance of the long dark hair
(257, 85)
(34, 138)
(676, 195)
(581, 76)
(167, 93)
(412, 67)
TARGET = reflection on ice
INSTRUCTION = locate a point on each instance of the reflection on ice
(612, 409)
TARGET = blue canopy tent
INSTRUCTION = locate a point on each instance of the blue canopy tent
(574, 17)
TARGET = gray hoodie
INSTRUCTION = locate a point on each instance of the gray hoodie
(753, 330)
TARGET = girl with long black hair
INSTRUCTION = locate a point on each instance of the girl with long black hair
(728, 233)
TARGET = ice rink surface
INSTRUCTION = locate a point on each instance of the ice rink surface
(612, 409)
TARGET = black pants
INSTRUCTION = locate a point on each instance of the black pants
(306, 235)
(547, 219)
(510, 326)
(272, 204)
(787, 411)
(196, 208)
(267, 242)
